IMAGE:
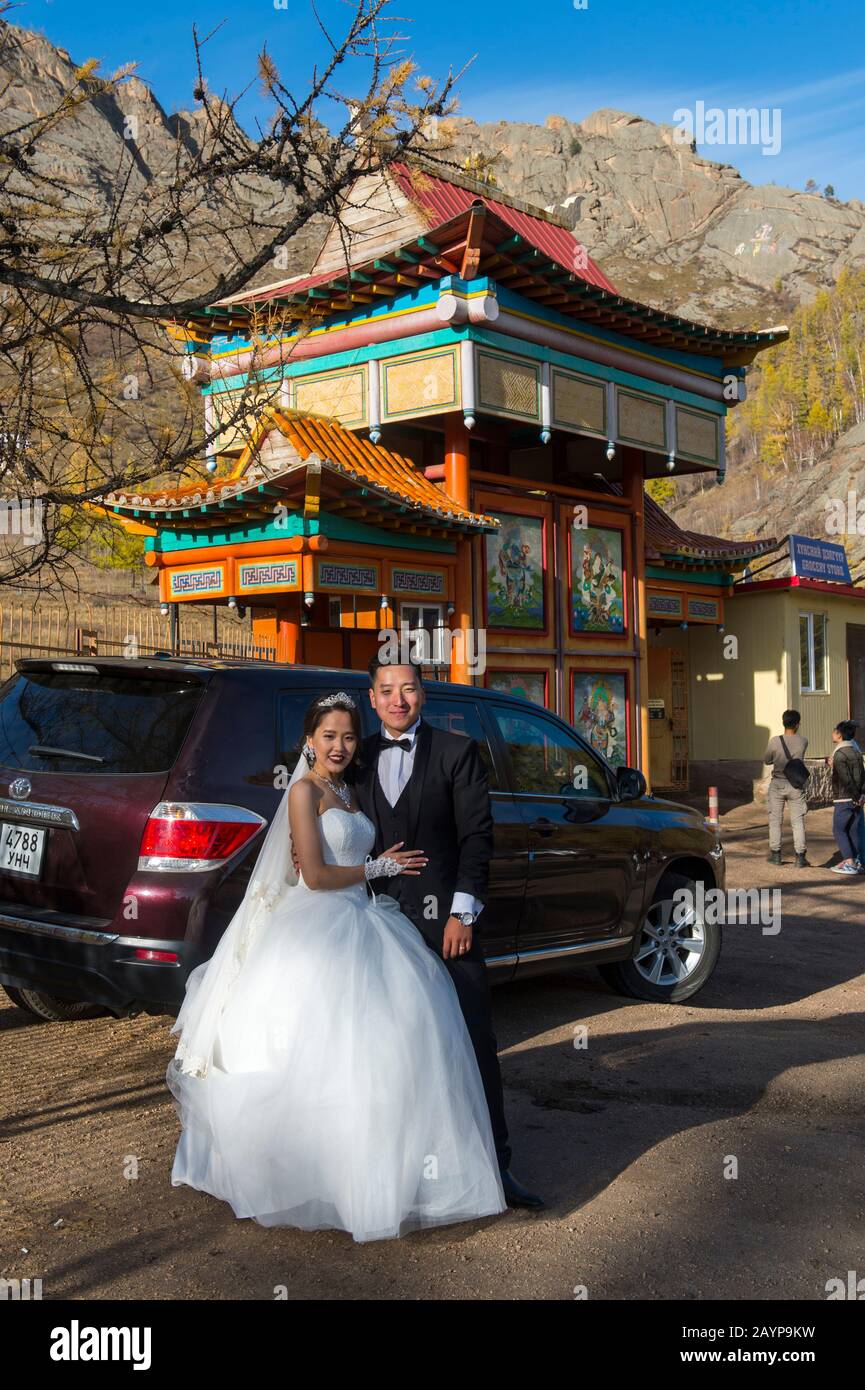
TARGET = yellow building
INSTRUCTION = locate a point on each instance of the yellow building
(785, 643)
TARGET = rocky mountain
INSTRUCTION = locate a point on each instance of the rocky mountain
(669, 227)
(121, 136)
(807, 500)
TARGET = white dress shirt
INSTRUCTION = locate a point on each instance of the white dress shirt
(394, 770)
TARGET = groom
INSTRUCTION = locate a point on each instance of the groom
(428, 789)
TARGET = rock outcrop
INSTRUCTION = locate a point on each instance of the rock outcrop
(669, 227)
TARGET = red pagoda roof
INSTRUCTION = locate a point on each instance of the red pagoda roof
(409, 226)
(667, 541)
(442, 199)
(665, 538)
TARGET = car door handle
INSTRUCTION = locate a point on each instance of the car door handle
(543, 826)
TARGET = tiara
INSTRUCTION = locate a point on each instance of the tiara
(339, 699)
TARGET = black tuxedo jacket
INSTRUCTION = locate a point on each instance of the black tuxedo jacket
(447, 815)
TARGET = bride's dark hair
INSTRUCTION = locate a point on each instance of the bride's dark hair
(319, 709)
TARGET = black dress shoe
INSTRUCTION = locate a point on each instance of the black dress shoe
(516, 1195)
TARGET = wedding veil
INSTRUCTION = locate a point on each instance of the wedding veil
(209, 984)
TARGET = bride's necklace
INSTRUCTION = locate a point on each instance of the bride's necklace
(338, 788)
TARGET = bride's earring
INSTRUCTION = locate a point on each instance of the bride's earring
(309, 754)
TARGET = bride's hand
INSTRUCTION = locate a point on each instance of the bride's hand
(413, 859)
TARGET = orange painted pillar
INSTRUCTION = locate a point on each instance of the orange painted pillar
(632, 488)
(288, 629)
(456, 485)
(264, 628)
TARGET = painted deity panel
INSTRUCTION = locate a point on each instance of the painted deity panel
(597, 594)
(527, 685)
(601, 712)
(515, 574)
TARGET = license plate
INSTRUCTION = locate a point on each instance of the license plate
(21, 848)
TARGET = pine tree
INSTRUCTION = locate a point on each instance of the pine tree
(811, 388)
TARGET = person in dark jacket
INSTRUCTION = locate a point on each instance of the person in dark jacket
(426, 783)
(848, 786)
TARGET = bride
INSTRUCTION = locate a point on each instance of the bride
(324, 1076)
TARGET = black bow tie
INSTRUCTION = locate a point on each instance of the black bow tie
(403, 743)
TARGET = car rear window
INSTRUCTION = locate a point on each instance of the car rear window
(123, 723)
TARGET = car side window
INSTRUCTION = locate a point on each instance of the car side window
(546, 759)
(462, 717)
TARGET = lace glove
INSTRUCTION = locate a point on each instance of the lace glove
(384, 867)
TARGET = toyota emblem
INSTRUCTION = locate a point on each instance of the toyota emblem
(20, 788)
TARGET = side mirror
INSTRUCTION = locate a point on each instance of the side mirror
(631, 783)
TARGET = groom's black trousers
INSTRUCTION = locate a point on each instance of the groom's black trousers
(469, 974)
(444, 809)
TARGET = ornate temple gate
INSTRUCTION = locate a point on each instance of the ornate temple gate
(465, 420)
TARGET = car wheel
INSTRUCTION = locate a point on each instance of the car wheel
(48, 1008)
(673, 958)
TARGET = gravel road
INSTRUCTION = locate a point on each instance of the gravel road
(629, 1139)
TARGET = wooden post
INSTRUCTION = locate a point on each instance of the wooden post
(632, 488)
(457, 487)
(288, 629)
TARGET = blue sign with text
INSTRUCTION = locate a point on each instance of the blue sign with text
(819, 560)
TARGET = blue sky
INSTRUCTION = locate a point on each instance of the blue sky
(805, 58)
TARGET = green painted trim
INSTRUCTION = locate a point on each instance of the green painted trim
(341, 529)
(169, 540)
(717, 577)
(582, 366)
(488, 339)
(328, 524)
(439, 337)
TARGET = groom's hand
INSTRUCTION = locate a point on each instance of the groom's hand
(457, 938)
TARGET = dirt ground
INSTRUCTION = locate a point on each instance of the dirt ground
(628, 1139)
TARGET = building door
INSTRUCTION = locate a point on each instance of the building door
(668, 717)
(661, 716)
(856, 675)
(679, 677)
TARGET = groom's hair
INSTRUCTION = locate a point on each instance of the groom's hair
(376, 665)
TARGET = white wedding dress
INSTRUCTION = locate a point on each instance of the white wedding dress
(343, 1090)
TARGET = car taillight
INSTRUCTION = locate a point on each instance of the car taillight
(156, 957)
(188, 836)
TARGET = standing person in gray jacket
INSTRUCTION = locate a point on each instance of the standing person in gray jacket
(781, 749)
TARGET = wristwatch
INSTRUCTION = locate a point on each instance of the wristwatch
(467, 918)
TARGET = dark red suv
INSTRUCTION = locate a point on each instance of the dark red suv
(134, 795)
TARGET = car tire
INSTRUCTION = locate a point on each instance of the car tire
(48, 1008)
(658, 951)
